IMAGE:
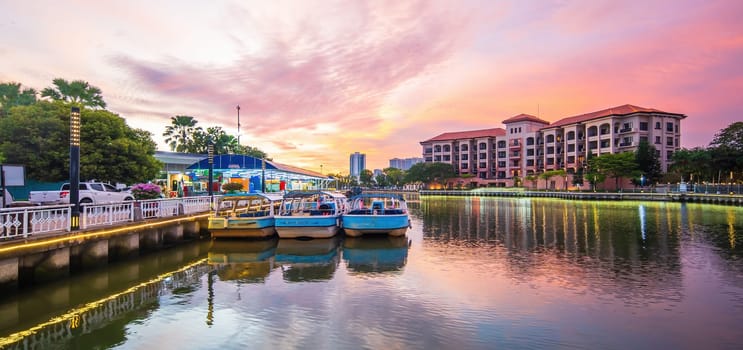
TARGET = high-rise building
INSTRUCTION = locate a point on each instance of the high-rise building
(529, 146)
(405, 163)
(358, 164)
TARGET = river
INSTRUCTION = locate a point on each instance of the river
(472, 273)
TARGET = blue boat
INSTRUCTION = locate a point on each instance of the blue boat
(246, 215)
(310, 214)
(376, 213)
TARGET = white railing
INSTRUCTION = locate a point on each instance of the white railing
(22, 222)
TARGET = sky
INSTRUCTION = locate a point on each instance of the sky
(318, 80)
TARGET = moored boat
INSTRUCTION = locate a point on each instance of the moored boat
(376, 213)
(310, 214)
(246, 215)
(243, 260)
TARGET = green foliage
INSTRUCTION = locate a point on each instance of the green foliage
(179, 135)
(394, 176)
(37, 136)
(648, 163)
(550, 174)
(232, 186)
(11, 95)
(428, 173)
(365, 178)
(77, 92)
(730, 137)
(617, 165)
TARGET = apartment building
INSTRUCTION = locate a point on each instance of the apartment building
(405, 163)
(357, 164)
(528, 145)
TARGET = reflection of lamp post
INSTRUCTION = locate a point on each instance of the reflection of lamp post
(75, 168)
(642, 180)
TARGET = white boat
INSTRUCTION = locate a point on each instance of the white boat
(246, 215)
(376, 213)
(310, 214)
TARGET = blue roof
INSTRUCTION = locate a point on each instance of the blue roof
(232, 161)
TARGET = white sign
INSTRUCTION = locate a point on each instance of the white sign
(14, 175)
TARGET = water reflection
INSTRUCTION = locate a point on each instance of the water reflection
(375, 253)
(244, 260)
(308, 260)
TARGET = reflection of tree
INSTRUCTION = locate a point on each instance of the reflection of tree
(625, 249)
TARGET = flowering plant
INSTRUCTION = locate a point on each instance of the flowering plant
(146, 191)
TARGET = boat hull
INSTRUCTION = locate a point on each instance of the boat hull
(242, 227)
(358, 225)
(307, 226)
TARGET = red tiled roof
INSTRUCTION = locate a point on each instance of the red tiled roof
(619, 110)
(524, 118)
(468, 134)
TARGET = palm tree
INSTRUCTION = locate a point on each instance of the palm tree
(179, 135)
(77, 92)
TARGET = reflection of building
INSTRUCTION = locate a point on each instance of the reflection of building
(188, 173)
(358, 164)
(405, 163)
(529, 145)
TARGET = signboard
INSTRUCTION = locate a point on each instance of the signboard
(15, 175)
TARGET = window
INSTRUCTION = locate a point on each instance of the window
(669, 155)
(437, 148)
(529, 141)
(501, 144)
(592, 131)
(550, 161)
(464, 148)
(465, 157)
(447, 158)
(550, 138)
(571, 159)
(502, 154)
(643, 126)
(571, 147)
(550, 150)
(428, 150)
(483, 156)
(447, 148)
(657, 140)
(669, 127)
(483, 145)
(669, 141)
(604, 143)
(483, 165)
(437, 158)
(657, 125)
(571, 135)
(530, 152)
(502, 164)
(464, 165)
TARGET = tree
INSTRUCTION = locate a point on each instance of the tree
(690, 162)
(549, 174)
(647, 162)
(11, 95)
(180, 134)
(617, 165)
(366, 178)
(533, 179)
(77, 92)
(381, 180)
(394, 176)
(730, 137)
(37, 136)
(429, 172)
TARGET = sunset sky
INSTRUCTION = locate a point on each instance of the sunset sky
(319, 80)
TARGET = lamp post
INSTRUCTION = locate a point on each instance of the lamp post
(210, 151)
(321, 181)
(238, 124)
(75, 168)
(263, 174)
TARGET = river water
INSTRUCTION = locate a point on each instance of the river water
(472, 273)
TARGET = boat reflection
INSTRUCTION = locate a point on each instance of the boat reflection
(310, 260)
(243, 260)
(375, 253)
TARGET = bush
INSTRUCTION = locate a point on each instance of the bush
(146, 191)
(232, 186)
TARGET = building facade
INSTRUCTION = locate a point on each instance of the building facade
(357, 164)
(404, 163)
(530, 146)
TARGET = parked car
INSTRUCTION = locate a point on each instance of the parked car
(90, 193)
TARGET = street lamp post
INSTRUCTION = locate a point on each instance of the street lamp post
(210, 151)
(238, 124)
(75, 168)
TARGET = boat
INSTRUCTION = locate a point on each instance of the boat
(376, 213)
(308, 260)
(243, 260)
(310, 214)
(375, 253)
(244, 215)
